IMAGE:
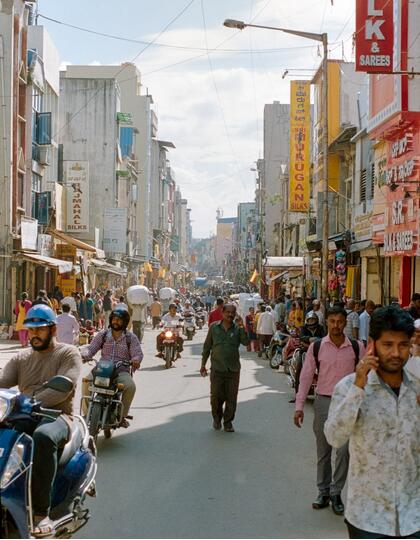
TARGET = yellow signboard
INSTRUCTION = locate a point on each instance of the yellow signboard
(300, 145)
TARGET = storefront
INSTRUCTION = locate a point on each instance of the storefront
(283, 274)
(397, 229)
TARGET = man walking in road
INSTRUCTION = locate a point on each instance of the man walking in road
(222, 342)
(364, 321)
(67, 327)
(107, 307)
(376, 410)
(333, 357)
(155, 312)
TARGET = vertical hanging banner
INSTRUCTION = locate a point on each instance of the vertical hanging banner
(374, 37)
(300, 145)
(76, 178)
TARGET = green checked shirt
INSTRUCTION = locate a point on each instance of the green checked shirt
(224, 347)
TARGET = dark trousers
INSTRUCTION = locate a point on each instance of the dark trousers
(49, 437)
(329, 483)
(224, 387)
(155, 322)
(138, 329)
(354, 532)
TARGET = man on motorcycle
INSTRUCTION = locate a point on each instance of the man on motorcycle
(117, 344)
(311, 331)
(28, 371)
(170, 319)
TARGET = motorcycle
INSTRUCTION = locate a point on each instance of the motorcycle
(189, 326)
(200, 319)
(292, 344)
(275, 350)
(76, 471)
(104, 405)
(295, 368)
(170, 346)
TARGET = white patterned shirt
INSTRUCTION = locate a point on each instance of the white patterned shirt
(384, 471)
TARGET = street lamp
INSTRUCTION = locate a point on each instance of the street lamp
(323, 38)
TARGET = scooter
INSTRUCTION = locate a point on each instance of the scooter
(200, 319)
(295, 368)
(292, 344)
(275, 350)
(76, 467)
(189, 326)
(104, 405)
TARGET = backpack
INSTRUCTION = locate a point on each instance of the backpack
(354, 344)
(127, 339)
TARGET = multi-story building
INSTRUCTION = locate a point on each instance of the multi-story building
(225, 241)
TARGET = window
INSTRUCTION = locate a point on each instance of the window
(35, 189)
(41, 122)
(43, 132)
(363, 178)
(126, 141)
(372, 180)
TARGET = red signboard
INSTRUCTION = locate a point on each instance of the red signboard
(374, 36)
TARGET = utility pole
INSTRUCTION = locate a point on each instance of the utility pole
(325, 201)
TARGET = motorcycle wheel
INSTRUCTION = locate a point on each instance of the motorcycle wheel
(94, 420)
(275, 361)
(168, 357)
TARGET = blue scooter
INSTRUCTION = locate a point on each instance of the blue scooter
(75, 475)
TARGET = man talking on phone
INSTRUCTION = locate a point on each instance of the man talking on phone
(376, 410)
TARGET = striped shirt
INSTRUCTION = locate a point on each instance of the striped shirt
(122, 349)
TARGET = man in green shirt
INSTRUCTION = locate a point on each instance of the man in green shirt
(223, 341)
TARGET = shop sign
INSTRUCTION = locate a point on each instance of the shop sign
(115, 230)
(66, 252)
(300, 128)
(76, 177)
(401, 160)
(29, 233)
(401, 227)
(67, 283)
(45, 245)
(374, 35)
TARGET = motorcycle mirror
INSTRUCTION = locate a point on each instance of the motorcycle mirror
(59, 383)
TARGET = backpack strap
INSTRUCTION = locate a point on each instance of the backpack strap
(354, 344)
(356, 349)
(317, 346)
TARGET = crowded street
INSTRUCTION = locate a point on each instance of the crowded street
(172, 476)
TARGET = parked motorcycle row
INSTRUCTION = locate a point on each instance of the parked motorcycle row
(286, 350)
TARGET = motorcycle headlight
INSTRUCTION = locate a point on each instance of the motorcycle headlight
(168, 334)
(102, 381)
(15, 463)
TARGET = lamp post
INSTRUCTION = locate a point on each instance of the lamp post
(323, 38)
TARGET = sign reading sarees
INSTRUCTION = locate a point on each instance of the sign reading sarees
(300, 144)
(374, 37)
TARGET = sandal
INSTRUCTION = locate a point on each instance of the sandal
(44, 528)
(125, 423)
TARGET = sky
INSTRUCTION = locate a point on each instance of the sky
(209, 83)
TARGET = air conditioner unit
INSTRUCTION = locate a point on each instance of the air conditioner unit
(45, 155)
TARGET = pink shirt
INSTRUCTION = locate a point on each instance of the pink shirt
(334, 364)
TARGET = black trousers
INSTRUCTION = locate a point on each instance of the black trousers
(49, 437)
(354, 532)
(224, 387)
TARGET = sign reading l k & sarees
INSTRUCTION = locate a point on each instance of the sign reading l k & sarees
(374, 35)
(300, 144)
(76, 178)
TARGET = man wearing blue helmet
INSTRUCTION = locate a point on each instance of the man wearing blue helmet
(28, 371)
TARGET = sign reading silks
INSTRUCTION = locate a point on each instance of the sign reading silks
(300, 145)
(374, 35)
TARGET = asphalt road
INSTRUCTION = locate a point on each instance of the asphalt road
(171, 476)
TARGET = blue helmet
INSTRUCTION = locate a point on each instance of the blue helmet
(40, 315)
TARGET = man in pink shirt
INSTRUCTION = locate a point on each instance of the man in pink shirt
(334, 357)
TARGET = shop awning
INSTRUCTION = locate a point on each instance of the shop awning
(62, 266)
(278, 276)
(284, 262)
(110, 268)
(78, 243)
